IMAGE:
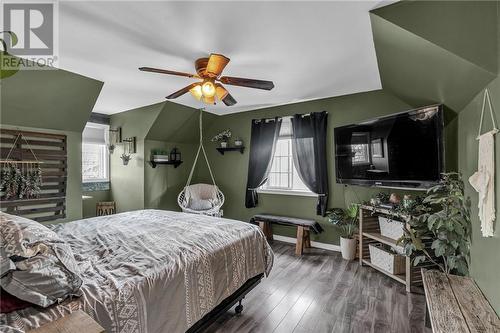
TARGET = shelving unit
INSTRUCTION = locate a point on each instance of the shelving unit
(223, 150)
(369, 233)
(174, 163)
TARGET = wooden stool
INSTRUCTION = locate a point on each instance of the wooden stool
(105, 208)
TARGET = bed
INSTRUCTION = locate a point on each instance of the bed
(155, 271)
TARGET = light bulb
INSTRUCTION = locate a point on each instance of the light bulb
(196, 91)
(208, 89)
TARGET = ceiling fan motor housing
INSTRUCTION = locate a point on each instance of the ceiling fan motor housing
(201, 66)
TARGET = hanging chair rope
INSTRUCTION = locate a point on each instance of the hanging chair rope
(200, 148)
(217, 199)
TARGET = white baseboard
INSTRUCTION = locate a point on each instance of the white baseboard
(318, 245)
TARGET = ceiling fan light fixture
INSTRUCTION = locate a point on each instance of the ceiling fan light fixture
(196, 92)
(209, 100)
(208, 89)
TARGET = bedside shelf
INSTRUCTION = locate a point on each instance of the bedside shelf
(223, 150)
(174, 163)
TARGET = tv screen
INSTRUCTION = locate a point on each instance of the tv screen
(400, 150)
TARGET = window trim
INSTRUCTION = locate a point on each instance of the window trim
(287, 192)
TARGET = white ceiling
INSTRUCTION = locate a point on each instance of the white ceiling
(310, 50)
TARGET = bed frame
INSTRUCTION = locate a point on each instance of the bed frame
(225, 305)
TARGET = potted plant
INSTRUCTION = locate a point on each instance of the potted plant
(446, 226)
(222, 137)
(125, 158)
(346, 221)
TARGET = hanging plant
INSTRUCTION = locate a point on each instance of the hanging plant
(33, 183)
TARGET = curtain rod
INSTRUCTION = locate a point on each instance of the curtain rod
(284, 117)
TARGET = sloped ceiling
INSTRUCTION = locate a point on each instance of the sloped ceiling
(52, 99)
(177, 123)
(417, 62)
(310, 50)
(165, 121)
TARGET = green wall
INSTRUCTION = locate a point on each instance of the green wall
(485, 259)
(163, 183)
(231, 169)
(51, 98)
(163, 125)
(90, 200)
(52, 101)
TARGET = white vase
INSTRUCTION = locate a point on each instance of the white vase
(348, 248)
(223, 144)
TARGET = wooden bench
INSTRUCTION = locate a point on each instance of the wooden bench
(455, 304)
(304, 227)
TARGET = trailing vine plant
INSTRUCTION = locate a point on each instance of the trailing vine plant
(442, 235)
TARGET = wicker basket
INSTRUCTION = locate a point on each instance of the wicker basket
(390, 228)
(384, 259)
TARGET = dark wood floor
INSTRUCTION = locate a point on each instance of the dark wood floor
(320, 292)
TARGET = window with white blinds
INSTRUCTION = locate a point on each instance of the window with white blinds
(95, 157)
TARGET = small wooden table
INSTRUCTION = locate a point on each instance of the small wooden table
(455, 304)
(76, 322)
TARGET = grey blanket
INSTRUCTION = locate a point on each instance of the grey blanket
(153, 271)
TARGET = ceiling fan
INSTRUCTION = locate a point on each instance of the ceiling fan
(209, 72)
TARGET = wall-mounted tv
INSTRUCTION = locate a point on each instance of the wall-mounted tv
(401, 150)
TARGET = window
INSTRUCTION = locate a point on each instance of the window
(283, 175)
(95, 158)
(360, 148)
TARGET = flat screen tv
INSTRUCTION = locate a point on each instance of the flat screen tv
(401, 150)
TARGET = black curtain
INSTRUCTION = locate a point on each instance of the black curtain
(309, 154)
(265, 133)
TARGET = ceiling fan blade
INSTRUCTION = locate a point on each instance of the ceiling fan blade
(166, 71)
(224, 95)
(250, 83)
(229, 100)
(216, 64)
(181, 91)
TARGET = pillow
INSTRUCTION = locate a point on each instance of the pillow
(199, 204)
(9, 303)
(36, 264)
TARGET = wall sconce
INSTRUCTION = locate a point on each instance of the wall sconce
(129, 146)
(115, 136)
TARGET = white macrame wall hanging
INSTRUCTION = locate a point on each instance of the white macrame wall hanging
(483, 180)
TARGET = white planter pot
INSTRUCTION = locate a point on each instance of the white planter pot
(348, 248)
(223, 144)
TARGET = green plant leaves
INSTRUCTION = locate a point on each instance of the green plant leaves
(447, 225)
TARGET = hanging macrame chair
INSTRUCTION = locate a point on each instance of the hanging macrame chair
(205, 199)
